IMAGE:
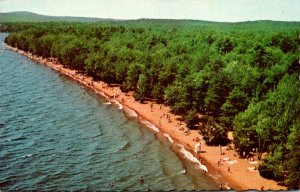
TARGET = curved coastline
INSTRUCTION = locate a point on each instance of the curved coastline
(233, 176)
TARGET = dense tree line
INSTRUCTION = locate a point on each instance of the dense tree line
(241, 77)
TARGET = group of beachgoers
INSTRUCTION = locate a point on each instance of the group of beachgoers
(167, 116)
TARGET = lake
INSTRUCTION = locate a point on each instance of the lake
(58, 135)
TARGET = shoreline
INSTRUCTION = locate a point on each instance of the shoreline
(236, 173)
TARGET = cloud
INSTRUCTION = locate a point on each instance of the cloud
(216, 10)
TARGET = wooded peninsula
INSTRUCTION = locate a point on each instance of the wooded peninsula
(219, 77)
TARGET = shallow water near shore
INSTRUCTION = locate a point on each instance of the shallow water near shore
(58, 135)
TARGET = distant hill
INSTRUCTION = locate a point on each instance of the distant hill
(262, 25)
(23, 16)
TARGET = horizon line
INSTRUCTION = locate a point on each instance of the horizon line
(145, 18)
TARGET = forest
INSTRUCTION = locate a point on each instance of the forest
(220, 77)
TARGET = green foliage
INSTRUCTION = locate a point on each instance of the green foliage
(177, 97)
(241, 77)
(44, 45)
(219, 87)
(141, 88)
(191, 119)
(236, 102)
(133, 73)
(292, 165)
(213, 134)
(225, 45)
(265, 125)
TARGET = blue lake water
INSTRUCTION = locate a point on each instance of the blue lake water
(57, 135)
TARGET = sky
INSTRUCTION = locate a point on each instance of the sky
(211, 10)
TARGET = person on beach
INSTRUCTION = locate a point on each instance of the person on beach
(198, 148)
(114, 94)
(169, 119)
(196, 139)
(186, 131)
(151, 107)
(221, 152)
(181, 128)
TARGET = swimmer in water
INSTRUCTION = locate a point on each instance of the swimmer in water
(111, 185)
(142, 179)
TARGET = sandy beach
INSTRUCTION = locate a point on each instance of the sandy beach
(226, 168)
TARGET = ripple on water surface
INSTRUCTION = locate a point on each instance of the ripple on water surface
(56, 135)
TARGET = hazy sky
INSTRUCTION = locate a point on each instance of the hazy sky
(213, 10)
